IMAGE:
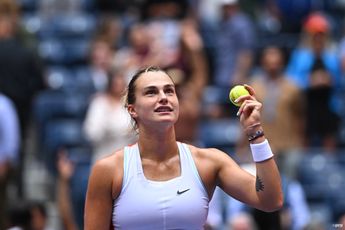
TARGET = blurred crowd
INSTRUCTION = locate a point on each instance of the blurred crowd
(64, 65)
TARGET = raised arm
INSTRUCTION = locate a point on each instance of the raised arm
(66, 170)
(264, 191)
(103, 186)
(194, 51)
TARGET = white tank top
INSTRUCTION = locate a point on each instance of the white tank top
(178, 203)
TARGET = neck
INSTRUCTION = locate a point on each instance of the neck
(274, 75)
(113, 97)
(157, 145)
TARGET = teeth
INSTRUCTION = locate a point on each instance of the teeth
(163, 110)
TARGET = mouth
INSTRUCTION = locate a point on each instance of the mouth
(163, 109)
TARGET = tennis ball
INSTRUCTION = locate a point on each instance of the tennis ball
(236, 92)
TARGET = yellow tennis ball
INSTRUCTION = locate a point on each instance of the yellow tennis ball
(236, 92)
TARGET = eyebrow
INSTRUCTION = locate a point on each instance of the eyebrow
(165, 86)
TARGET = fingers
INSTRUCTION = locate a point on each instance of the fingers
(240, 100)
(248, 106)
(250, 89)
(248, 102)
(251, 95)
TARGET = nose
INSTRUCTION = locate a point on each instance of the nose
(163, 97)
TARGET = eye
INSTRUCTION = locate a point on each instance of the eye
(150, 92)
(170, 91)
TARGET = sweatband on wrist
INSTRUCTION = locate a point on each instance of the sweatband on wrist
(261, 151)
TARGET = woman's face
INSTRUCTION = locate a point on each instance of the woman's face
(101, 55)
(118, 84)
(272, 60)
(319, 42)
(156, 101)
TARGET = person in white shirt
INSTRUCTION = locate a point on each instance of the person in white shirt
(107, 124)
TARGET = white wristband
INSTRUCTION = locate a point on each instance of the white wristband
(261, 151)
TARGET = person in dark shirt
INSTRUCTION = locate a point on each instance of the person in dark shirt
(21, 72)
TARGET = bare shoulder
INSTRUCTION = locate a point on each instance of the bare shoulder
(110, 170)
(211, 159)
(110, 162)
(208, 154)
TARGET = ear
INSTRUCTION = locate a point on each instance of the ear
(131, 111)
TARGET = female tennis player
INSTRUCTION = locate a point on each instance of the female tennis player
(159, 183)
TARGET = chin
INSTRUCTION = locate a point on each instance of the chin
(168, 121)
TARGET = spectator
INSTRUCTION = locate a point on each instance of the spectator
(316, 49)
(101, 54)
(21, 73)
(283, 114)
(39, 216)
(235, 45)
(111, 30)
(163, 19)
(107, 123)
(9, 150)
(155, 41)
(315, 67)
(138, 52)
(9, 8)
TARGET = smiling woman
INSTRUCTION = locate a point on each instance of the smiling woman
(146, 185)
(163, 87)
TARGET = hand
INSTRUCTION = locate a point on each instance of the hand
(250, 109)
(65, 166)
(320, 78)
(190, 36)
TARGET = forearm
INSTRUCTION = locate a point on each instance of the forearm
(243, 66)
(265, 190)
(64, 204)
(199, 71)
(267, 182)
(199, 67)
(268, 185)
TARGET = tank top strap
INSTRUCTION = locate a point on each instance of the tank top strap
(131, 164)
(188, 166)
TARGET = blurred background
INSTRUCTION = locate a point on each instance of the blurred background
(64, 65)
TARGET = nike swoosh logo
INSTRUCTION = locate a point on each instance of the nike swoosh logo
(183, 191)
